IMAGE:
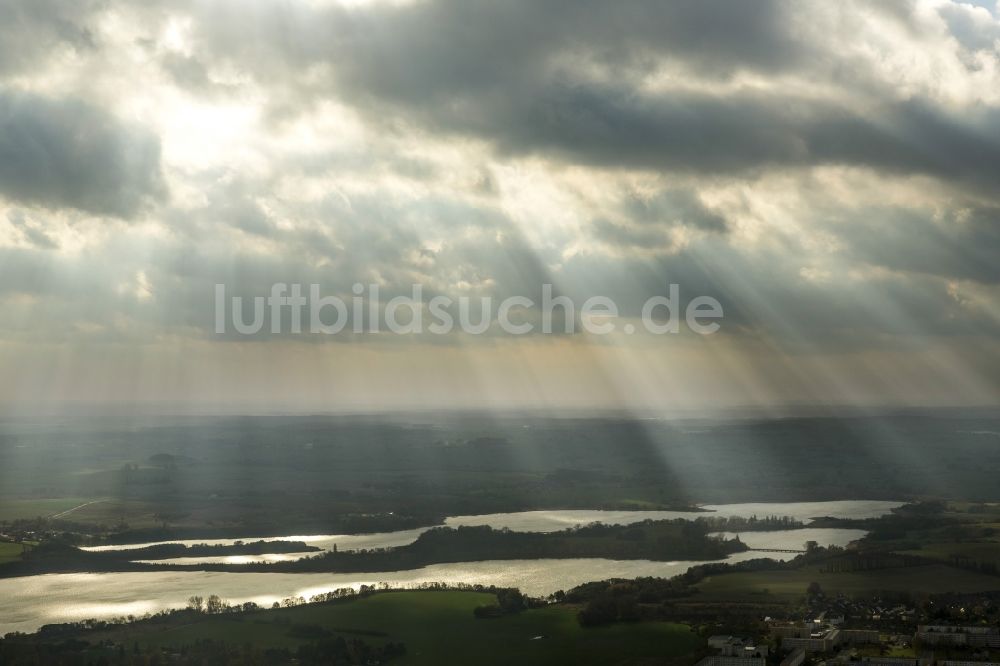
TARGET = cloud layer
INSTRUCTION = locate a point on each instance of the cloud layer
(827, 171)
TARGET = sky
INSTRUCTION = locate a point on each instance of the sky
(827, 171)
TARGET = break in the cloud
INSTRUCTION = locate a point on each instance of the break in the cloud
(826, 170)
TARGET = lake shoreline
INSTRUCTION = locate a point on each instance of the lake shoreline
(76, 592)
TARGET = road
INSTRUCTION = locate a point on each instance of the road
(69, 511)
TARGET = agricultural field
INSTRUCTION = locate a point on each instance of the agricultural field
(790, 585)
(14, 509)
(949, 550)
(436, 627)
(9, 552)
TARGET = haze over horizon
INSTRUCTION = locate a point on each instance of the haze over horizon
(826, 171)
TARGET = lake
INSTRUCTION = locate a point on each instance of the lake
(537, 521)
(32, 601)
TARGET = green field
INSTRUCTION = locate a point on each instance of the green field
(438, 627)
(13, 509)
(85, 510)
(9, 551)
(790, 585)
(983, 551)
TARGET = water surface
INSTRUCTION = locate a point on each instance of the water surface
(29, 602)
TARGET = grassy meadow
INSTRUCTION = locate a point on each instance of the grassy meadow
(436, 627)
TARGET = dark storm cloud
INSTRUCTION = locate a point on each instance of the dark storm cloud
(424, 49)
(673, 207)
(187, 72)
(649, 220)
(650, 237)
(737, 133)
(764, 295)
(29, 231)
(565, 80)
(762, 291)
(33, 30)
(964, 243)
(67, 153)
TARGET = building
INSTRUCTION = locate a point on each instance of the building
(939, 634)
(860, 636)
(721, 642)
(719, 660)
(794, 658)
(817, 641)
(803, 630)
(734, 646)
